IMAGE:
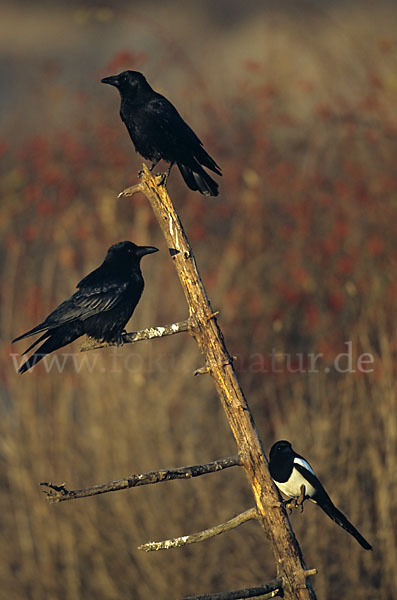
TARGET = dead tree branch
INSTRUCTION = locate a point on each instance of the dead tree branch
(266, 590)
(59, 493)
(138, 336)
(209, 338)
(201, 536)
(260, 590)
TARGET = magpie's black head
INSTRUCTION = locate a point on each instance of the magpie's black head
(281, 448)
(127, 81)
(128, 253)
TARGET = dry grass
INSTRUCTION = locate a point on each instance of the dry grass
(298, 254)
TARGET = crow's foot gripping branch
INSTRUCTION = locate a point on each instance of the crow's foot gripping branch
(138, 336)
(163, 177)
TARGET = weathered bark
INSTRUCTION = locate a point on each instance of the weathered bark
(59, 492)
(201, 536)
(150, 333)
(206, 332)
(259, 590)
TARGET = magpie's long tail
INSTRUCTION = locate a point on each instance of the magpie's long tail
(339, 518)
(197, 179)
(56, 339)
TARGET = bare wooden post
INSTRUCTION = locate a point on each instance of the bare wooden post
(205, 330)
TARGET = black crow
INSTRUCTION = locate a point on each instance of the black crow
(290, 471)
(159, 132)
(104, 302)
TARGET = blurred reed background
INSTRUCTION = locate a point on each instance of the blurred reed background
(298, 253)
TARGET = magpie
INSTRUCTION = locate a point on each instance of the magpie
(104, 302)
(290, 471)
(158, 132)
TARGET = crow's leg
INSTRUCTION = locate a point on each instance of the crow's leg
(164, 176)
(153, 165)
(118, 340)
(140, 173)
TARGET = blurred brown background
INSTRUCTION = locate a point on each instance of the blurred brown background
(296, 101)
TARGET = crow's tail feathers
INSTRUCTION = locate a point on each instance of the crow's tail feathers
(341, 520)
(45, 335)
(207, 161)
(198, 180)
(56, 340)
(36, 329)
(32, 361)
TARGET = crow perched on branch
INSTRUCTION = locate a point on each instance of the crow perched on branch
(159, 132)
(104, 302)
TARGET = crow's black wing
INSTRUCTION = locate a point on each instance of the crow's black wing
(175, 138)
(165, 116)
(83, 304)
(86, 302)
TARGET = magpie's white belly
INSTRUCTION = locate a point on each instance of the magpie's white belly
(292, 487)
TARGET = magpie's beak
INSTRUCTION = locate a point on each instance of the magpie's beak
(142, 250)
(112, 80)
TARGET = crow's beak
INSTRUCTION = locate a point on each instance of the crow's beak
(112, 80)
(142, 250)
